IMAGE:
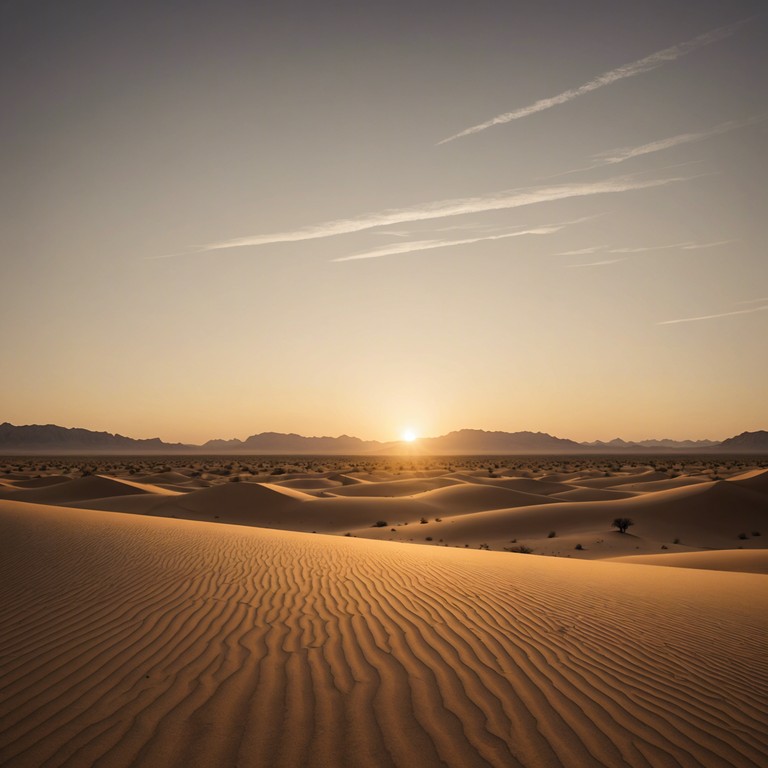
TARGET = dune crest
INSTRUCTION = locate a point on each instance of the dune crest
(130, 640)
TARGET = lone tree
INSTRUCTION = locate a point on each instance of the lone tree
(622, 523)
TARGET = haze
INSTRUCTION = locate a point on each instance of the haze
(222, 219)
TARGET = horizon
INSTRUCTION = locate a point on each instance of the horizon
(412, 438)
(524, 217)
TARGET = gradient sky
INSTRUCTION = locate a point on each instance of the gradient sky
(184, 184)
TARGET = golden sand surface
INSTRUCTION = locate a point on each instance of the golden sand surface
(130, 636)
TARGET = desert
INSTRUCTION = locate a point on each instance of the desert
(322, 611)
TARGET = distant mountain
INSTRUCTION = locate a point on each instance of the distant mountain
(49, 438)
(665, 444)
(478, 441)
(746, 442)
(279, 443)
(52, 439)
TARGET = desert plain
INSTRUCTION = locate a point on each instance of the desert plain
(331, 611)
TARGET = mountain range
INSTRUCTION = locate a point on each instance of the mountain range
(52, 439)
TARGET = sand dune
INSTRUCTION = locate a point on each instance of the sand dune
(140, 641)
(756, 480)
(81, 489)
(408, 487)
(693, 514)
(522, 484)
(739, 560)
(41, 482)
(592, 494)
(616, 481)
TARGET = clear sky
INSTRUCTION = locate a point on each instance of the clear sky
(222, 218)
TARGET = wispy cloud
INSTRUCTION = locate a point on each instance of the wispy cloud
(515, 198)
(711, 317)
(597, 263)
(424, 245)
(638, 67)
(685, 246)
(582, 251)
(615, 156)
(627, 153)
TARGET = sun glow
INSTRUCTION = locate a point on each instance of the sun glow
(408, 435)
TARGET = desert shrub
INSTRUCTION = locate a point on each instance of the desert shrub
(622, 523)
(423, 521)
(677, 541)
(551, 535)
(755, 533)
(440, 520)
(521, 549)
(743, 536)
(380, 524)
(579, 547)
(664, 546)
(428, 538)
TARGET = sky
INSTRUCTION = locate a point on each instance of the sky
(224, 218)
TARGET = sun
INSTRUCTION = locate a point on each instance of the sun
(408, 435)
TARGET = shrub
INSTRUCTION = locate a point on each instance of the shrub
(755, 533)
(380, 524)
(521, 549)
(579, 547)
(551, 535)
(677, 541)
(622, 523)
(423, 521)
(743, 536)
(428, 538)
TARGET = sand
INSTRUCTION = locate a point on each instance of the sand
(130, 638)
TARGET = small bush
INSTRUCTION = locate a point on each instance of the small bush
(380, 524)
(622, 523)
(428, 538)
(579, 547)
(677, 541)
(423, 521)
(664, 546)
(521, 549)
(551, 535)
(743, 536)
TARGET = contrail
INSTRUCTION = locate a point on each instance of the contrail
(597, 263)
(710, 317)
(620, 155)
(424, 245)
(627, 70)
(446, 208)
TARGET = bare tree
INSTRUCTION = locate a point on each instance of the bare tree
(622, 523)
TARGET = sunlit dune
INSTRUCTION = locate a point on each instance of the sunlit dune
(324, 614)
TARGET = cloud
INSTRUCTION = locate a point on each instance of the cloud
(710, 317)
(615, 156)
(597, 263)
(627, 153)
(686, 246)
(582, 251)
(638, 67)
(515, 198)
(424, 245)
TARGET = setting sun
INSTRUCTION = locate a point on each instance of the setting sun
(408, 435)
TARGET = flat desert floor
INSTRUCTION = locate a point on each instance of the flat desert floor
(331, 612)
